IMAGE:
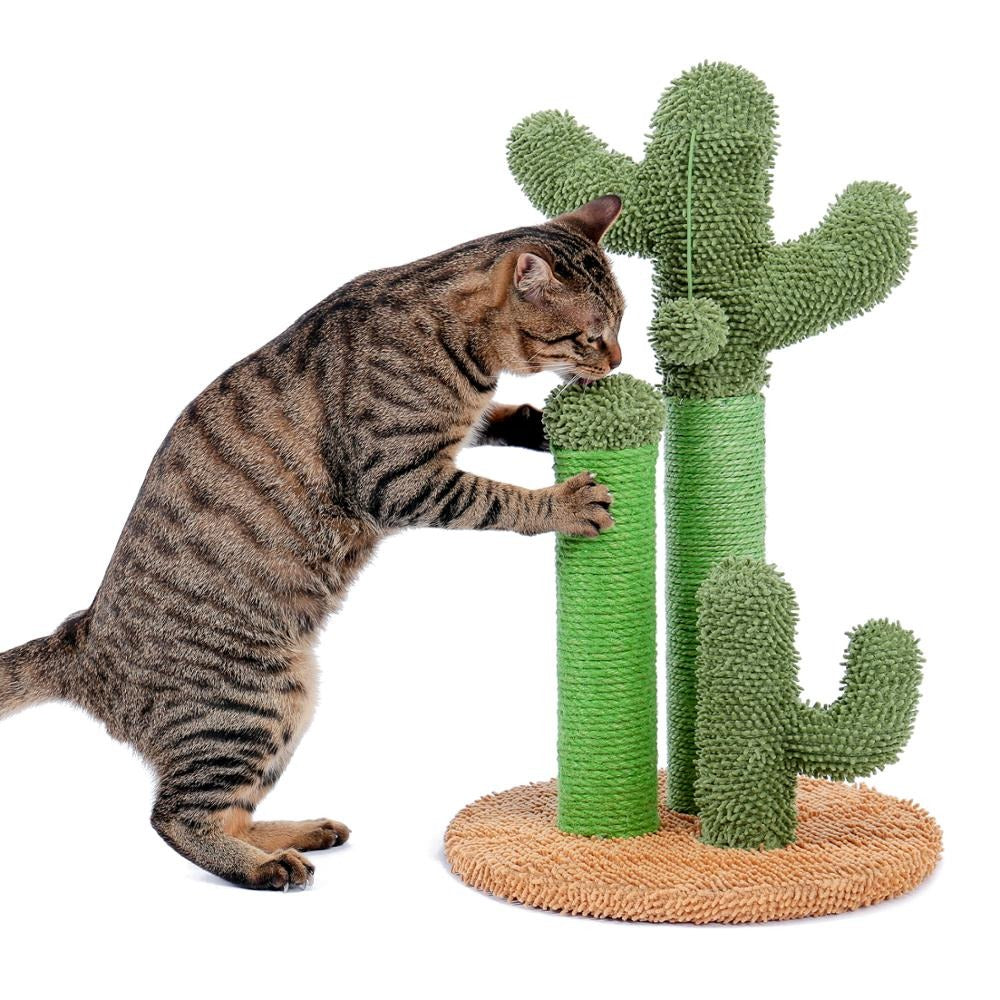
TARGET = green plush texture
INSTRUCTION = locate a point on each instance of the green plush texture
(754, 734)
(606, 601)
(692, 329)
(698, 206)
(714, 492)
(615, 413)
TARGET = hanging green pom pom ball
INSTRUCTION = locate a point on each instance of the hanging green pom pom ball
(687, 331)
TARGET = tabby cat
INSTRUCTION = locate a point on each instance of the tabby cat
(270, 493)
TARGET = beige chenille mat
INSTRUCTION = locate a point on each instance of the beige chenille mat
(855, 847)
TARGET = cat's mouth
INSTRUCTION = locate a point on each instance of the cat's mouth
(579, 378)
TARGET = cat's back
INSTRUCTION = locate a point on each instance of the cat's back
(254, 487)
(233, 520)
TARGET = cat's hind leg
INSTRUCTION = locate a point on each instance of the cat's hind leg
(209, 786)
(210, 821)
(276, 835)
(210, 847)
(216, 764)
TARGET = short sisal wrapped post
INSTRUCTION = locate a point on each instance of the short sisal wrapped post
(606, 589)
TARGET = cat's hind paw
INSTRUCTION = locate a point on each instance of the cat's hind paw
(284, 870)
(324, 834)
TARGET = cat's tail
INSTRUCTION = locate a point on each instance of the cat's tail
(37, 671)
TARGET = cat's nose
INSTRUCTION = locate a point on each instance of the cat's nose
(614, 355)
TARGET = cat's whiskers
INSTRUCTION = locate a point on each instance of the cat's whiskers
(569, 382)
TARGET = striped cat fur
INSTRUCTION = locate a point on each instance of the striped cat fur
(270, 493)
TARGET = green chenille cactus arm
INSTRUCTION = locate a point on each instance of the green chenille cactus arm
(754, 734)
(559, 162)
(606, 606)
(849, 263)
(867, 727)
(698, 206)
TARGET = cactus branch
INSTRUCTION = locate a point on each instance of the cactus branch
(753, 734)
(561, 165)
(871, 721)
(841, 268)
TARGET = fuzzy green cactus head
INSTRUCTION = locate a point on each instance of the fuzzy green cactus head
(698, 206)
(618, 412)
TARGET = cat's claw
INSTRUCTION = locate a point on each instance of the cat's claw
(285, 870)
(583, 506)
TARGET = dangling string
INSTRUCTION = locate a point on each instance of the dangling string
(690, 213)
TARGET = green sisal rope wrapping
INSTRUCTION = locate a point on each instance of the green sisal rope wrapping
(606, 600)
(714, 488)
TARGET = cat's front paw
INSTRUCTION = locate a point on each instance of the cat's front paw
(527, 429)
(582, 506)
(517, 427)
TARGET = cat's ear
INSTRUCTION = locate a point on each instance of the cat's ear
(595, 218)
(532, 276)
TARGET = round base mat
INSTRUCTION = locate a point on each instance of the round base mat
(855, 847)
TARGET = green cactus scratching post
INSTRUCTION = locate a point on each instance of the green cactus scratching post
(754, 735)
(726, 294)
(852, 845)
(744, 749)
(606, 599)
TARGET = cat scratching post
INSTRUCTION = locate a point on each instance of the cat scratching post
(747, 836)
(606, 607)
(725, 295)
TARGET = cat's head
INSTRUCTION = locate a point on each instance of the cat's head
(563, 305)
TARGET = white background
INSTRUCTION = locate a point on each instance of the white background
(178, 182)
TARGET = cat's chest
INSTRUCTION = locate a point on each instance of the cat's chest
(477, 421)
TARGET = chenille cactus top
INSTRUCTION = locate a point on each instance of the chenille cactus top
(698, 207)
